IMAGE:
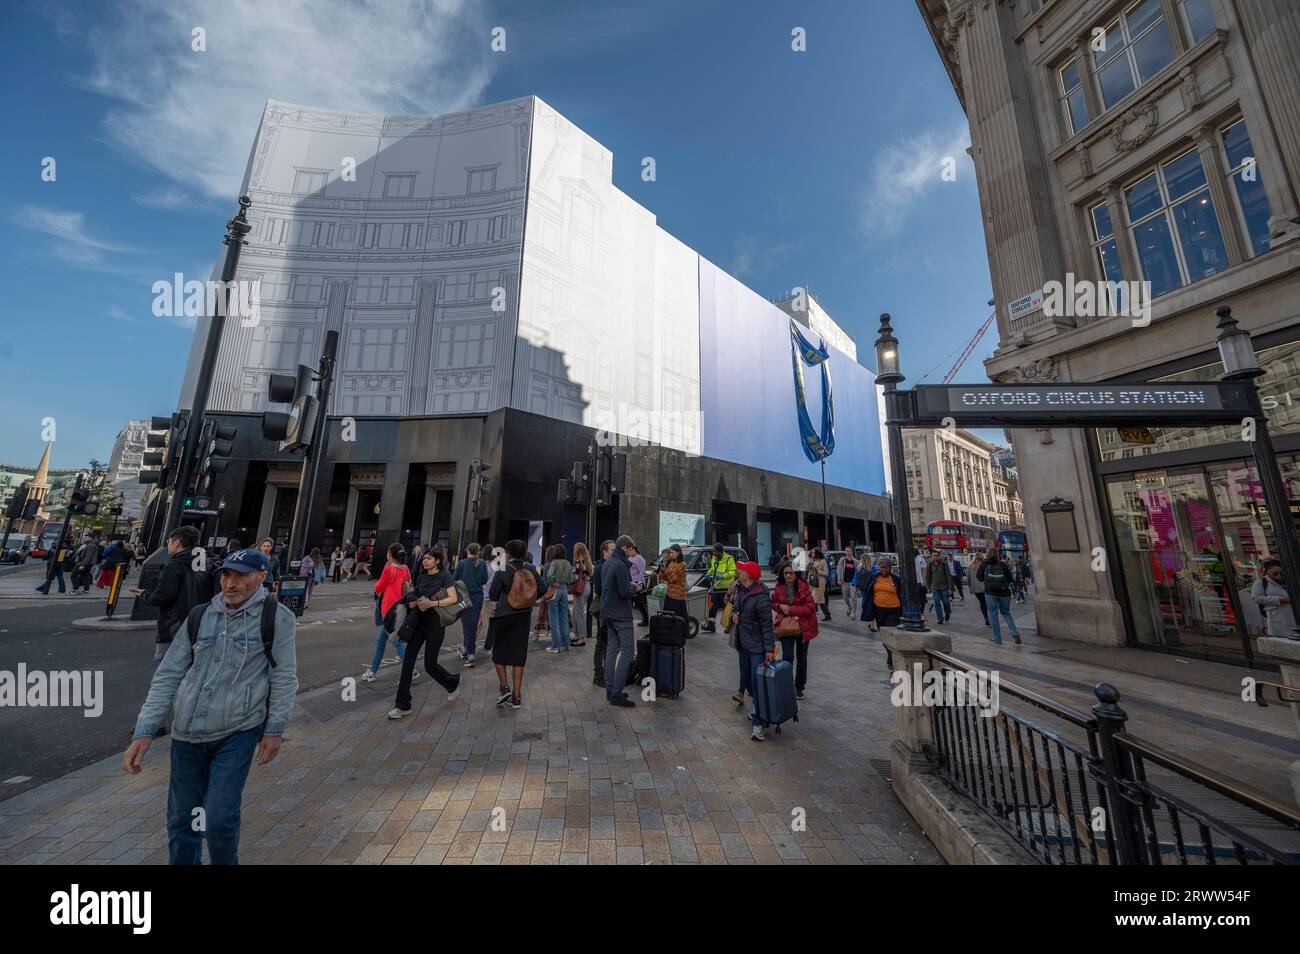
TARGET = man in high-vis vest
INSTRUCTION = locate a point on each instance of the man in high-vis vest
(722, 573)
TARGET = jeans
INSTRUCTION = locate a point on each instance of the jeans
(580, 601)
(422, 628)
(942, 607)
(1000, 605)
(469, 625)
(211, 776)
(620, 654)
(850, 594)
(58, 574)
(795, 650)
(558, 611)
(749, 663)
(381, 643)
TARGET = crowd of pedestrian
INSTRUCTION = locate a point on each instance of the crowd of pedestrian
(223, 636)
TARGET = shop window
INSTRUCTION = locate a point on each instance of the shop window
(1279, 393)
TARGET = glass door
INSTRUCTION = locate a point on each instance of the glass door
(1174, 566)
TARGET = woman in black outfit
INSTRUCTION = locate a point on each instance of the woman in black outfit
(434, 587)
(508, 630)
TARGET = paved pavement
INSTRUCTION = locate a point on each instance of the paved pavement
(578, 782)
(575, 780)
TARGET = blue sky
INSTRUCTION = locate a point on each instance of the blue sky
(820, 169)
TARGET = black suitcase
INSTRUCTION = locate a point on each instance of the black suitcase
(668, 667)
(668, 629)
(641, 668)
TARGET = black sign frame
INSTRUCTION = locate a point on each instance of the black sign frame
(1072, 404)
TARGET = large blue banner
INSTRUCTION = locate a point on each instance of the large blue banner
(748, 403)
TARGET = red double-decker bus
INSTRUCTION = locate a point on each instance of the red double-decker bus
(954, 536)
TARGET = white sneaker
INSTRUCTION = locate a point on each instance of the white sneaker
(396, 713)
(757, 735)
(367, 676)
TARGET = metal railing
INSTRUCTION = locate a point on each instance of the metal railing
(1076, 788)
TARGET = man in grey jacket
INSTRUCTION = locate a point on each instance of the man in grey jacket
(616, 614)
(226, 698)
(1270, 593)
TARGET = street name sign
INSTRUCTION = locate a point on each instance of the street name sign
(1078, 405)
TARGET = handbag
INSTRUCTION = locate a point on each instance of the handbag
(728, 610)
(579, 584)
(789, 626)
(449, 614)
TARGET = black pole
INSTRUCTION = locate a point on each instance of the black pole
(826, 513)
(58, 544)
(236, 229)
(1124, 825)
(314, 454)
(1275, 498)
(898, 412)
(592, 489)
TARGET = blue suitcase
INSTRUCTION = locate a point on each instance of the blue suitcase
(668, 667)
(774, 699)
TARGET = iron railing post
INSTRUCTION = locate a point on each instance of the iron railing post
(1117, 765)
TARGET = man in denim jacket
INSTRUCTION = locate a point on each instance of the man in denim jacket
(224, 700)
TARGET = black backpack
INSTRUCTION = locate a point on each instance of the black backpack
(995, 578)
(269, 609)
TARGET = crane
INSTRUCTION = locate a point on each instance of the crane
(970, 346)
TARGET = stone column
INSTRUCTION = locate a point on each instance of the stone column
(915, 732)
(1020, 225)
(268, 511)
(349, 521)
(1271, 29)
(1207, 144)
(426, 517)
(392, 504)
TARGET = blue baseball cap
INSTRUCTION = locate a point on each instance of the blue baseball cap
(246, 561)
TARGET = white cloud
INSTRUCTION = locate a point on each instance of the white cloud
(192, 115)
(66, 226)
(909, 171)
(72, 243)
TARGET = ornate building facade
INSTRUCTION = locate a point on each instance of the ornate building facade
(1151, 141)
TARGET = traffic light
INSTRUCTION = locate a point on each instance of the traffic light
(14, 508)
(31, 509)
(611, 475)
(81, 505)
(216, 442)
(167, 433)
(293, 429)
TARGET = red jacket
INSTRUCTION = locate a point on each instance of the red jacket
(802, 607)
(389, 586)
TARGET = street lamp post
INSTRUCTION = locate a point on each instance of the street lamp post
(889, 377)
(1240, 364)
